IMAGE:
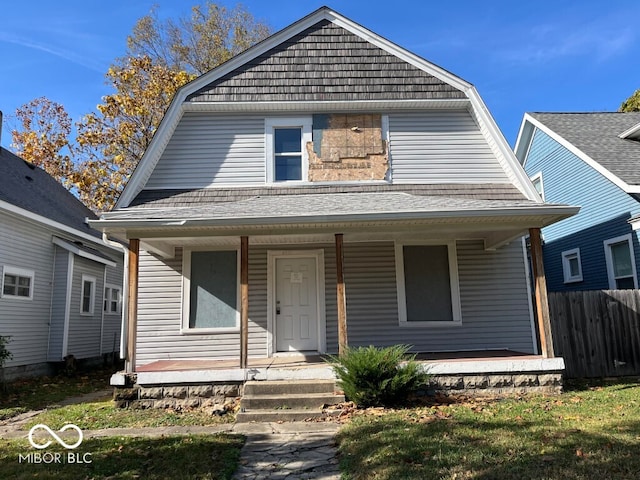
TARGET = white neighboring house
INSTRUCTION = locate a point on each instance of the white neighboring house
(60, 284)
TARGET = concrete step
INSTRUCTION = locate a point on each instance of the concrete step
(289, 387)
(292, 415)
(290, 401)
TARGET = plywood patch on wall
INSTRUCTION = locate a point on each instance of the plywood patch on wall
(347, 147)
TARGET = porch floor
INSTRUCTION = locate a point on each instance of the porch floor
(314, 361)
(315, 367)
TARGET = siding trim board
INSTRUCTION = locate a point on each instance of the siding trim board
(67, 310)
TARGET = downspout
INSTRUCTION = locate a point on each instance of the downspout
(125, 293)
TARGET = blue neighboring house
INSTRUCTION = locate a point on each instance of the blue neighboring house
(591, 160)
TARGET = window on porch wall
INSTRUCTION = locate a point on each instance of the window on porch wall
(428, 285)
(213, 290)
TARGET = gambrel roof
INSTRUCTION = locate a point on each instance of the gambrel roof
(604, 140)
(326, 63)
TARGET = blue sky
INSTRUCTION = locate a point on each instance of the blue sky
(521, 56)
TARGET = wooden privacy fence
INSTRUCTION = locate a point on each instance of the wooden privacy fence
(597, 332)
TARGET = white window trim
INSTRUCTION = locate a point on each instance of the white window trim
(566, 266)
(186, 291)
(111, 287)
(92, 301)
(21, 272)
(538, 176)
(456, 309)
(270, 124)
(609, 259)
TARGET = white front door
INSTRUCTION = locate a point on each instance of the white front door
(296, 305)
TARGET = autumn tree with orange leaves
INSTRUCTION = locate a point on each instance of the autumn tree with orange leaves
(161, 57)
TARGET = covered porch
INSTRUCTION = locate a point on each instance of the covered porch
(316, 224)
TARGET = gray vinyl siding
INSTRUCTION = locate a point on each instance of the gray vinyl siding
(435, 146)
(208, 149)
(494, 298)
(160, 311)
(493, 291)
(84, 330)
(58, 304)
(28, 246)
(112, 322)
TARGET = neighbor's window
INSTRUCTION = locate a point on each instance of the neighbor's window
(17, 283)
(87, 295)
(572, 266)
(537, 183)
(621, 265)
(286, 148)
(112, 299)
(428, 291)
(211, 280)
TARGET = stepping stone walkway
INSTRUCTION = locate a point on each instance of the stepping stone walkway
(291, 450)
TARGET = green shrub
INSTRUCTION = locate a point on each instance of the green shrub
(371, 376)
(5, 354)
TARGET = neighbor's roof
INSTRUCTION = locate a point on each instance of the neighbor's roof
(598, 136)
(33, 190)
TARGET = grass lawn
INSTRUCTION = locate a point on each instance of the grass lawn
(37, 393)
(585, 433)
(103, 414)
(189, 457)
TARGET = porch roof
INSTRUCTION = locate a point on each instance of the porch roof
(327, 212)
(330, 208)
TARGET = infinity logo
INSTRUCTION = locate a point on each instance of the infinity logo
(56, 437)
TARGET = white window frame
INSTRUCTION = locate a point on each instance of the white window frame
(536, 177)
(609, 259)
(92, 302)
(108, 291)
(19, 272)
(567, 256)
(186, 291)
(305, 123)
(454, 286)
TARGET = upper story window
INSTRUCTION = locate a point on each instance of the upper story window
(287, 157)
(621, 264)
(17, 283)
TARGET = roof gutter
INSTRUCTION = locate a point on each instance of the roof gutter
(561, 211)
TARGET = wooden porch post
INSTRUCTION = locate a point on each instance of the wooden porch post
(244, 299)
(132, 305)
(542, 303)
(340, 297)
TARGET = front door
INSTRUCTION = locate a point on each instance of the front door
(296, 305)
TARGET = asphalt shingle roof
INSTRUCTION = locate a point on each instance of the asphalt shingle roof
(31, 188)
(315, 205)
(596, 134)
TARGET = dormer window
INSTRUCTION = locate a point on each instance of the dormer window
(287, 157)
